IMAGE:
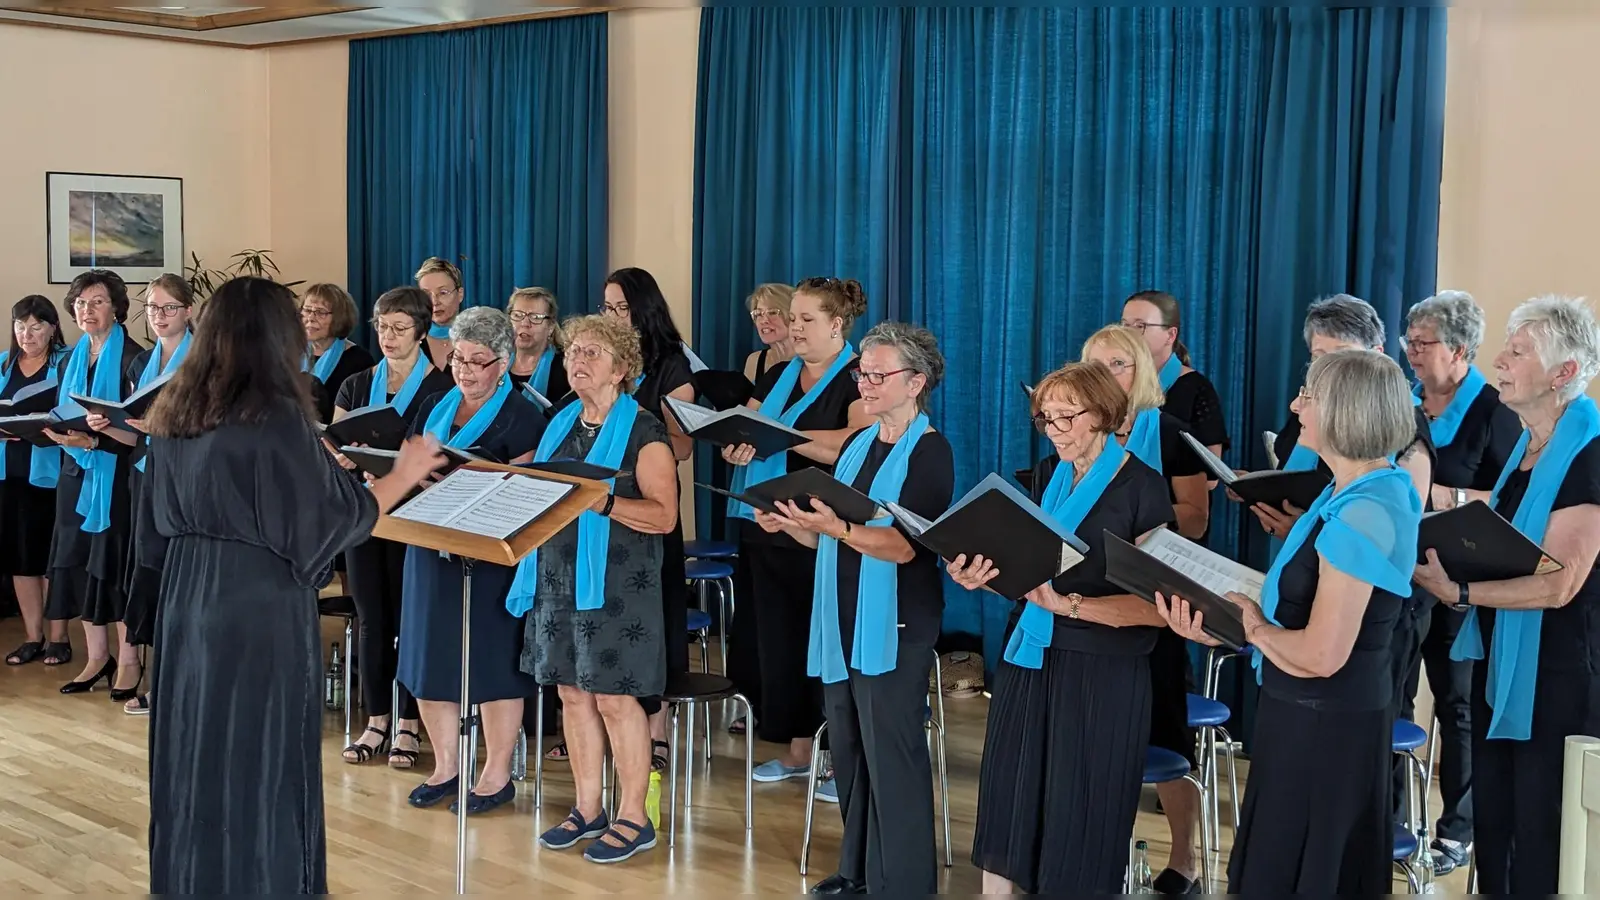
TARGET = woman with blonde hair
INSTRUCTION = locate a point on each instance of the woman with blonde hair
(447, 292)
(535, 319)
(769, 312)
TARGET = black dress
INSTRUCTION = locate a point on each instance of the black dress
(744, 655)
(355, 359)
(87, 577)
(374, 570)
(430, 613)
(27, 511)
(1473, 459)
(875, 722)
(1516, 789)
(253, 515)
(783, 575)
(1317, 814)
(1063, 754)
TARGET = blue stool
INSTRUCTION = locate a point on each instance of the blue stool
(1408, 736)
(710, 549)
(1406, 846)
(1207, 716)
(1160, 767)
(1411, 836)
(703, 574)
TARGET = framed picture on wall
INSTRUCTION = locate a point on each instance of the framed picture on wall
(128, 224)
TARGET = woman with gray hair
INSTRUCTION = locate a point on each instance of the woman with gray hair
(1473, 434)
(1323, 626)
(1536, 638)
(485, 415)
(877, 606)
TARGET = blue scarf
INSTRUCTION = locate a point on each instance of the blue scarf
(540, 379)
(378, 393)
(1370, 534)
(1514, 650)
(594, 530)
(44, 467)
(777, 464)
(1170, 370)
(99, 467)
(441, 332)
(1068, 505)
(328, 361)
(1144, 439)
(1445, 427)
(443, 417)
(876, 645)
(153, 369)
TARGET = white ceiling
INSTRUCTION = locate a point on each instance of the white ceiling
(324, 26)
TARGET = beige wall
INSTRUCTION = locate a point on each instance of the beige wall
(308, 87)
(1522, 138)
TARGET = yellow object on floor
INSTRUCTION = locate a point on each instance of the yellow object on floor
(652, 800)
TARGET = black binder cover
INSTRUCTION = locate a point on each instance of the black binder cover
(725, 390)
(1273, 488)
(741, 425)
(761, 503)
(135, 406)
(800, 487)
(30, 428)
(576, 468)
(1475, 543)
(34, 399)
(1139, 573)
(1001, 524)
(381, 427)
(378, 462)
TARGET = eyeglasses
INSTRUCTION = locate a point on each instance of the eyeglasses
(96, 303)
(1305, 395)
(164, 311)
(587, 352)
(618, 309)
(441, 293)
(874, 377)
(1409, 346)
(1118, 366)
(471, 365)
(1141, 326)
(757, 315)
(311, 312)
(394, 330)
(1043, 421)
(518, 316)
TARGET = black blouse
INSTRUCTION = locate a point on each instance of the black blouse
(557, 388)
(515, 431)
(1136, 501)
(929, 485)
(1193, 400)
(671, 373)
(830, 412)
(355, 359)
(19, 454)
(355, 390)
(1488, 433)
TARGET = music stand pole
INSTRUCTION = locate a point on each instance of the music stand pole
(468, 729)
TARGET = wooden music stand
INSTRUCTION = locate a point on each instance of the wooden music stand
(471, 549)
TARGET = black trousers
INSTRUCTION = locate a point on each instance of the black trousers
(1451, 684)
(674, 610)
(744, 652)
(782, 578)
(1405, 657)
(885, 778)
(375, 570)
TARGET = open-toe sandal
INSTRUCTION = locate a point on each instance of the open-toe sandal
(25, 654)
(404, 759)
(362, 752)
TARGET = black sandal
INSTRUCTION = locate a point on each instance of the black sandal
(660, 761)
(25, 654)
(738, 727)
(57, 654)
(362, 752)
(558, 753)
(404, 759)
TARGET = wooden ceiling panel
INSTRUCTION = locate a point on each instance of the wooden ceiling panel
(200, 19)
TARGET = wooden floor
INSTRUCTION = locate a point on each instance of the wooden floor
(74, 814)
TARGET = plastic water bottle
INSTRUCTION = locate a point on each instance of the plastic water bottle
(1141, 881)
(652, 800)
(333, 681)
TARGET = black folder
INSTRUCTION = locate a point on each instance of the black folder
(31, 400)
(30, 428)
(763, 504)
(378, 463)
(809, 483)
(379, 426)
(1475, 543)
(998, 522)
(1141, 574)
(724, 390)
(1271, 487)
(120, 411)
(575, 468)
(732, 427)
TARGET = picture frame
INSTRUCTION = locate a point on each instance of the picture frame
(130, 224)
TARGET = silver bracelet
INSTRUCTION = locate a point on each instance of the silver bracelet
(1461, 497)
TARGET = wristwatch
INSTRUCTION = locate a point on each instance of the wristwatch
(1461, 497)
(1463, 596)
(611, 500)
(1076, 599)
(844, 536)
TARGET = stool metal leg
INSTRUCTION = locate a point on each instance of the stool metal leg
(1233, 778)
(672, 777)
(538, 752)
(722, 627)
(688, 757)
(749, 769)
(519, 757)
(472, 755)
(394, 711)
(811, 792)
(349, 674)
(1207, 841)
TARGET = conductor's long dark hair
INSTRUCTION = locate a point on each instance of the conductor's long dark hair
(647, 309)
(39, 308)
(243, 365)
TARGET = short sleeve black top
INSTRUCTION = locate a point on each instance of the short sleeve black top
(1178, 459)
(669, 373)
(19, 454)
(515, 431)
(1136, 501)
(356, 390)
(1194, 401)
(355, 359)
(929, 484)
(1488, 433)
(1569, 636)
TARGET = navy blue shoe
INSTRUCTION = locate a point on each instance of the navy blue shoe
(560, 838)
(425, 795)
(602, 852)
(478, 803)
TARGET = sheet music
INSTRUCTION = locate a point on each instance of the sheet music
(1222, 470)
(1212, 571)
(1270, 438)
(510, 506)
(696, 364)
(908, 518)
(691, 416)
(757, 416)
(538, 399)
(439, 504)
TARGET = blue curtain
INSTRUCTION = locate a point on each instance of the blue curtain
(1035, 166)
(487, 147)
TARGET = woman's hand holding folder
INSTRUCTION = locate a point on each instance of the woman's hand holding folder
(1277, 522)
(1431, 577)
(974, 576)
(738, 456)
(1188, 623)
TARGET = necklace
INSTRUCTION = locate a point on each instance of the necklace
(587, 428)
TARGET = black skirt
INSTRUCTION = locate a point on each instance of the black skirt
(1063, 760)
(1316, 815)
(143, 585)
(87, 579)
(1170, 680)
(27, 519)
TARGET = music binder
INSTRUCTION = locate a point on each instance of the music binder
(378, 462)
(726, 390)
(761, 503)
(998, 522)
(135, 406)
(808, 484)
(1475, 543)
(1270, 439)
(1271, 487)
(30, 428)
(1143, 574)
(381, 427)
(575, 468)
(31, 400)
(732, 427)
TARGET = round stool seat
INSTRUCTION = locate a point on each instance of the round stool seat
(699, 620)
(343, 606)
(1405, 843)
(1162, 765)
(1408, 736)
(709, 549)
(685, 687)
(707, 570)
(1205, 712)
